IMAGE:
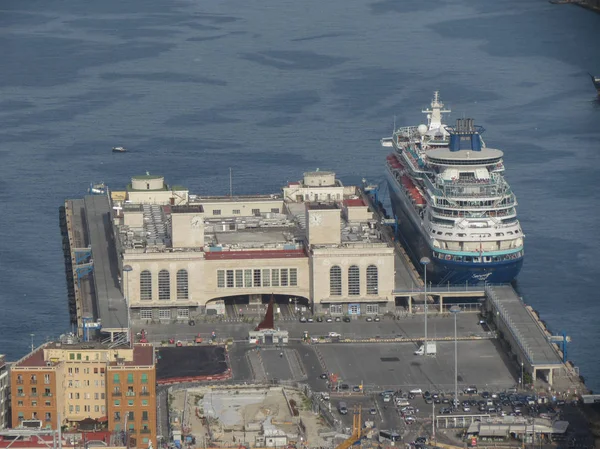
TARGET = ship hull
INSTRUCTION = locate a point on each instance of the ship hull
(439, 271)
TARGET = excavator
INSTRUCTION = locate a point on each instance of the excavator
(356, 429)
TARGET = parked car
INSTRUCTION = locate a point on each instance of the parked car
(409, 419)
(466, 408)
(338, 319)
(333, 335)
(347, 319)
(303, 319)
(377, 319)
(416, 391)
(356, 389)
(472, 389)
(324, 376)
(373, 411)
(369, 319)
(329, 319)
(319, 319)
(309, 320)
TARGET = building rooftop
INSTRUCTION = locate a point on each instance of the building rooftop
(143, 354)
(27, 438)
(187, 209)
(322, 206)
(282, 230)
(33, 359)
(354, 202)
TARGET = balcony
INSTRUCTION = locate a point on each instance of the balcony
(19, 381)
(131, 431)
(117, 394)
(21, 395)
(47, 395)
(145, 393)
(117, 419)
(33, 394)
(145, 431)
(33, 381)
(130, 393)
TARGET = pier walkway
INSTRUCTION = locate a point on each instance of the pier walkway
(528, 338)
(108, 298)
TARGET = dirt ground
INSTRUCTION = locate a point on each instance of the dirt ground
(237, 415)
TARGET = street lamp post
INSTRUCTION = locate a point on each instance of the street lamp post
(425, 261)
(127, 269)
(433, 420)
(521, 380)
(455, 310)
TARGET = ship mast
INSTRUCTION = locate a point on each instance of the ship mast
(434, 115)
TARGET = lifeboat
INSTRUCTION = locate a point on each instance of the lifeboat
(393, 161)
(414, 193)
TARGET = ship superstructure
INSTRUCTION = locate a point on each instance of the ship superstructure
(452, 202)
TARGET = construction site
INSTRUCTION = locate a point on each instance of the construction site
(248, 416)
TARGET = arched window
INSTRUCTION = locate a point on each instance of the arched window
(372, 280)
(353, 281)
(335, 281)
(182, 284)
(145, 285)
(164, 285)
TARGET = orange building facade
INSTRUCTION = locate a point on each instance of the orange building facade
(65, 383)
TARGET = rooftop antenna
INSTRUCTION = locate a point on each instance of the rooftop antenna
(230, 183)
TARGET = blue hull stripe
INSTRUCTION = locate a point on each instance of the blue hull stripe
(445, 271)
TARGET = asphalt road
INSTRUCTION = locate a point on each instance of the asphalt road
(411, 327)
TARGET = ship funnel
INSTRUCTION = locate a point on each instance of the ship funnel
(465, 135)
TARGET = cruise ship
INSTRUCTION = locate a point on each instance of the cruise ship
(452, 203)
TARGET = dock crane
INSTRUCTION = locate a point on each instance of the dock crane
(356, 429)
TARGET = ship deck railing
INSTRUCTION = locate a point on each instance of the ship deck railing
(432, 188)
(474, 216)
(473, 206)
(461, 193)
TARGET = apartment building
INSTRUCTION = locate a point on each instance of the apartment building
(66, 382)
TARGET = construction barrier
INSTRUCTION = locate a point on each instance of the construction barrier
(177, 380)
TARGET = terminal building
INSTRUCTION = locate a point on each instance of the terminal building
(155, 252)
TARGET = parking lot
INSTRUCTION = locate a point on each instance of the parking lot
(393, 365)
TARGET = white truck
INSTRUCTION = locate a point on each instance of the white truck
(431, 349)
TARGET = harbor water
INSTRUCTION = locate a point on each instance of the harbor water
(274, 88)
